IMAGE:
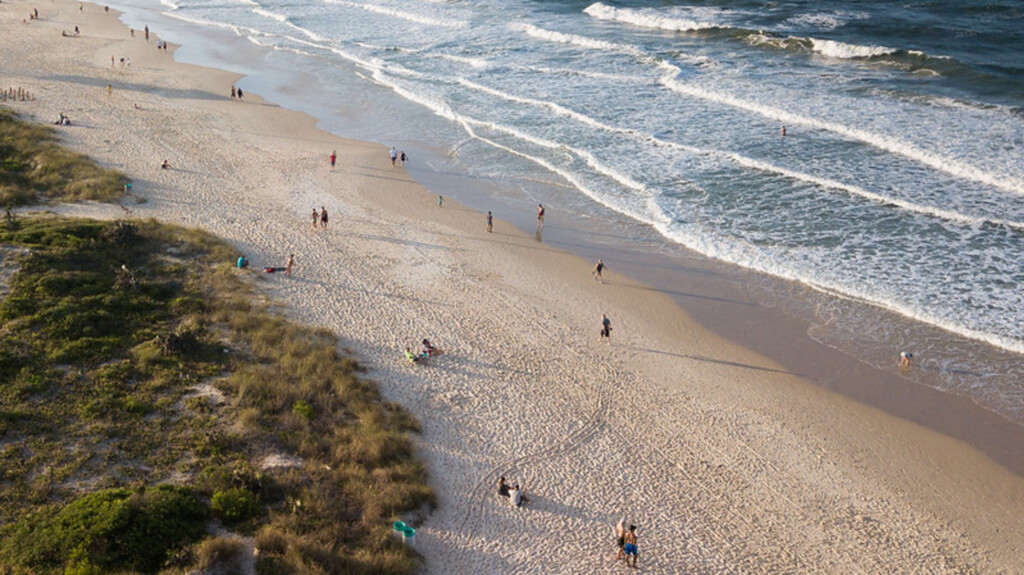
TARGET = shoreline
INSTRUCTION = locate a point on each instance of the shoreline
(532, 301)
(946, 364)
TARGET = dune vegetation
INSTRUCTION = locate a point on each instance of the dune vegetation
(157, 416)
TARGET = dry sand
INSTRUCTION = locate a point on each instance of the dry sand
(726, 461)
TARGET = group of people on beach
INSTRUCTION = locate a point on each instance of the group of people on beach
(626, 540)
(429, 350)
(397, 155)
(516, 495)
(319, 219)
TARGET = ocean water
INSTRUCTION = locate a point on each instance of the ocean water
(898, 187)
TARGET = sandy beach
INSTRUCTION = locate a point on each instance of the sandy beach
(728, 461)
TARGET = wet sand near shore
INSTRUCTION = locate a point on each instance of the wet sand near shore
(727, 460)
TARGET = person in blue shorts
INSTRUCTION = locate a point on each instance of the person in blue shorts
(630, 547)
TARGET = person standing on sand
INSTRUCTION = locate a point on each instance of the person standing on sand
(323, 217)
(147, 33)
(620, 538)
(288, 266)
(239, 94)
(905, 359)
(490, 222)
(233, 92)
(334, 158)
(314, 218)
(402, 158)
(393, 154)
(440, 201)
(630, 548)
(540, 218)
(606, 328)
(598, 268)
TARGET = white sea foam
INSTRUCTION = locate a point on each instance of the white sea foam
(825, 20)
(584, 73)
(240, 31)
(832, 184)
(747, 162)
(647, 18)
(401, 14)
(576, 40)
(843, 51)
(933, 160)
(268, 14)
(478, 63)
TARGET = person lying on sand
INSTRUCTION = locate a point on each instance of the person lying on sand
(413, 357)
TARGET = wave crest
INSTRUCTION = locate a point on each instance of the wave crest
(647, 18)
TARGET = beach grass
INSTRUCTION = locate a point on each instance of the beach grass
(34, 167)
(135, 355)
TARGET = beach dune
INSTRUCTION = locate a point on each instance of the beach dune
(727, 461)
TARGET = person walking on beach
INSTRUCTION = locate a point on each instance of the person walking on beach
(147, 33)
(620, 538)
(393, 154)
(440, 201)
(323, 217)
(630, 548)
(540, 218)
(314, 218)
(598, 268)
(239, 94)
(233, 93)
(606, 328)
(288, 266)
(334, 158)
(402, 158)
(490, 222)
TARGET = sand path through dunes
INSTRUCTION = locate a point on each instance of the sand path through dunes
(728, 463)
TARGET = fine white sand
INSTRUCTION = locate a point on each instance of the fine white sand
(728, 463)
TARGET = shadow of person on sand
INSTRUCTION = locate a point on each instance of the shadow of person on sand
(709, 360)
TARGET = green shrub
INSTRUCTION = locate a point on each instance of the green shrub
(235, 505)
(113, 529)
(303, 410)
